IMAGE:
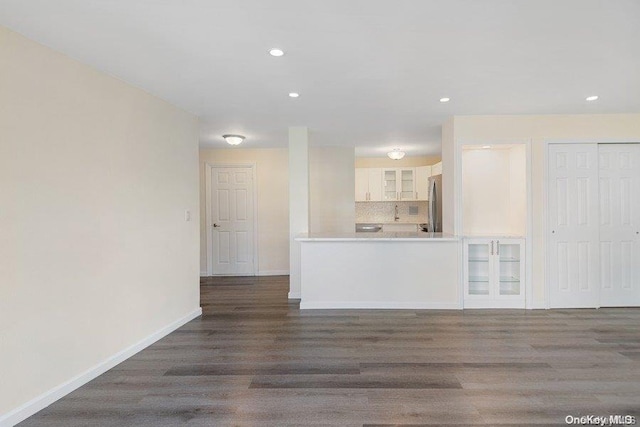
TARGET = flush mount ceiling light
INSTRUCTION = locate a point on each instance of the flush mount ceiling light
(486, 147)
(293, 94)
(445, 99)
(233, 139)
(395, 154)
(592, 97)
(276, 52)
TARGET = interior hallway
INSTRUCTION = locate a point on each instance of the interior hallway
(255, 359)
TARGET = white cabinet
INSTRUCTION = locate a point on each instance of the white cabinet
(362, 184)
(422, 182)
(494, 273)
(368, 184)
(399, 227)
(436, 169)
(399, 184)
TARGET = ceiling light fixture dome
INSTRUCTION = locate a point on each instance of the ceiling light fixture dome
(395, 154)
(445, 99)
(233, 139)
(294, 94)
(592, 97)
(276, 52)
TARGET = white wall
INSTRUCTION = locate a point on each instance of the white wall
(538, 130)
(331, 196)
(273, 203)
(518, 190)
(449, 172)
(494, 190)
(298, 201)
(486, 187)
(95, 253)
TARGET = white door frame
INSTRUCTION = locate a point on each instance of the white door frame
(545, 199)
(208, 204)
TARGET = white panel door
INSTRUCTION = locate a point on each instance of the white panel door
(573, 226)
(232, 216)
(619, 224)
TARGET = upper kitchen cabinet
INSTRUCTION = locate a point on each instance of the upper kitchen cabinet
(494, 190)
(399, 184)
(422, 182)
(436, 169)
(368, 184)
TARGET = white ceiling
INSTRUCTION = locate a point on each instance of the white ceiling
(370, 72)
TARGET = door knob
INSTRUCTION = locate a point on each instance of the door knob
(216, 225)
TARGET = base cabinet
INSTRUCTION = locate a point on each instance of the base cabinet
(494, 273)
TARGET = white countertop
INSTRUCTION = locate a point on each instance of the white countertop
(379, 236)
(391, 222)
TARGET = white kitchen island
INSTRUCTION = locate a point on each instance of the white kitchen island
(405, 270)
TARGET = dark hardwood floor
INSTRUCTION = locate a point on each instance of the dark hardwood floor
(255, 359)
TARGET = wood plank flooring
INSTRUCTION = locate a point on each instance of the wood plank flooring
(255, 359)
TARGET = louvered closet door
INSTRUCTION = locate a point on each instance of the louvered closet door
(619, 166)
(573, 225)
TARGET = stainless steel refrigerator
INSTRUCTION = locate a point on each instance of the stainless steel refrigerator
(435, 203)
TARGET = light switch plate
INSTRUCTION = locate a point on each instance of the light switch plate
(187, 215)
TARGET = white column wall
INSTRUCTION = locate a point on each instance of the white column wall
(298, 201)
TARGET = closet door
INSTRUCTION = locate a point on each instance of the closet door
(573, 226)
(619, 166)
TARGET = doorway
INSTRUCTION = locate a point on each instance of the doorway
(593, 226)
(231, 220)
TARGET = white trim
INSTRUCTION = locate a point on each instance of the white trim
(376, 305)
(493, 303)
(273, 273)
(539, 305)
(545, 222)
(203, 274)
(254, 186)
(28, 409)
(294, 295)
(528, 243)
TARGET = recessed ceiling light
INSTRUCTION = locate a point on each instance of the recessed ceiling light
(294, 94)
(592, 97)
(486, 147)
(445, 99)
(276, 52)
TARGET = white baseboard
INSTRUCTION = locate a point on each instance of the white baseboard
(273, 273)
(294, 295)
(539, 305)
(375, 305)
(260, 273)
(28, 409)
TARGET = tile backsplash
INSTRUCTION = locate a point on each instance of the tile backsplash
(385, 211)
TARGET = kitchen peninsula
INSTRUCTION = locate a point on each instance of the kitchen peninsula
(402, 270)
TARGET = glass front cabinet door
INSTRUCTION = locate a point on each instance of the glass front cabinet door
(494, 273)
(399, 184)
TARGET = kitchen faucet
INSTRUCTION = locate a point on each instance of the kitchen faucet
(397, 217)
